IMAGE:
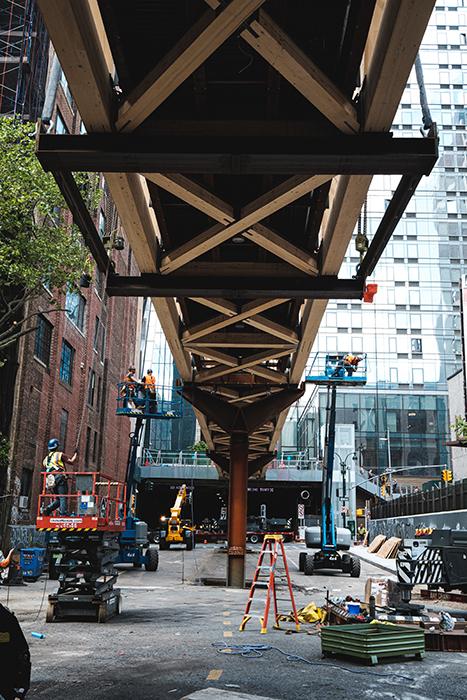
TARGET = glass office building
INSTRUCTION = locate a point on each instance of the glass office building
(164, 434)
(411, 332)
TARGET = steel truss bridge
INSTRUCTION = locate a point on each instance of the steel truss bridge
(238, 139)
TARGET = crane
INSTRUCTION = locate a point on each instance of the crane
(174, 530)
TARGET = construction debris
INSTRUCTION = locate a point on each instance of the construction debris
(376, 543)
(390, 548)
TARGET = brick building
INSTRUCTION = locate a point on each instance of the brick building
(64, 375)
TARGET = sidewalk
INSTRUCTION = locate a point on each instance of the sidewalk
(362, 553)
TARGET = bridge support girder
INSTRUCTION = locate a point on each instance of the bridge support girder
(239, 423)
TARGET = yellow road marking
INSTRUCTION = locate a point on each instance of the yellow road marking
(227, 634)
(227, 622)
(214, 675)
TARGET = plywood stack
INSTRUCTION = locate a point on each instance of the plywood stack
(389, 549)
(376, 543)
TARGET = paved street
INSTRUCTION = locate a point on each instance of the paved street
(161, 646)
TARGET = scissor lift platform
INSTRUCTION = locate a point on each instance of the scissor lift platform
(84, 545)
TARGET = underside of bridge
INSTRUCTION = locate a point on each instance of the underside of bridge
(238, 140)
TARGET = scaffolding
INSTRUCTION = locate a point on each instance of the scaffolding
(24, 46)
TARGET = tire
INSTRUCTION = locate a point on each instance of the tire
(50, 614)
(301, 561)
(189, 541)
(355, 567)
(151, 559)
(254, 539)
(346, 560)
(309, 566)
(102, 613)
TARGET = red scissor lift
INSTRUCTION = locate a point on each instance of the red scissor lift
(84, 544)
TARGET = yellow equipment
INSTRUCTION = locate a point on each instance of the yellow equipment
(174, 530)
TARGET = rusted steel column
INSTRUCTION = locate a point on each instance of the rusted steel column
(237, 510)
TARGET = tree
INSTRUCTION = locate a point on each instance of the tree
(199, 446)
(39, 248)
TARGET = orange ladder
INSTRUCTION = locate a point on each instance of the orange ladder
(267, 575)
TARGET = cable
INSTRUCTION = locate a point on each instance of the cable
(256, 651)
(46, 578)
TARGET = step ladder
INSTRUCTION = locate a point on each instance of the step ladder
(271, 570)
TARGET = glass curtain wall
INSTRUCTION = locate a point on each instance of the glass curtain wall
(412, 330)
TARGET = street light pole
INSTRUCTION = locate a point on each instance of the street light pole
(344, 493)
(389, 461)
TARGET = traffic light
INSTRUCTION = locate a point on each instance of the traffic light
(447, 475)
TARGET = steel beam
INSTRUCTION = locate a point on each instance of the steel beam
(154, 285)
(401, 197)
(365, 154)
(238, 497)
(82, 218)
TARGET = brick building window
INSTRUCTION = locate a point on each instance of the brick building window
(99, 338)
(66, 363)
(26, 482)
(63, 428)
(91, 386)
(99, 393)
(43, 340)
(60, 127)
(75, 305)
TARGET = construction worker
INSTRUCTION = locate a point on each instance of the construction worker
(129, 389)
(57, 480)
(361, 532)
(149, 384)
(351, 363)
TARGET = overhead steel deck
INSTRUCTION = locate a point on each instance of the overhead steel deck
(238, 139)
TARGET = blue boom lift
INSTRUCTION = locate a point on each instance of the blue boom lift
(339, 370)
(134, 544)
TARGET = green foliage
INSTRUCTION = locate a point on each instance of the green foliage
(199, 446)
(37, 245)
(4, 452)
(460, 428)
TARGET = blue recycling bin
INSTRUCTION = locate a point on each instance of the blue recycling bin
(32, 562)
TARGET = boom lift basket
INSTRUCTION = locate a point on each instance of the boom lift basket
(334, 369)
(135, 400)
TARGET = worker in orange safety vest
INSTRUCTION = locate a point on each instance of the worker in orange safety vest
(351, 363)
(149, 383)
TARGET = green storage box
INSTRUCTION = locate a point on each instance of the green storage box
(373, 641)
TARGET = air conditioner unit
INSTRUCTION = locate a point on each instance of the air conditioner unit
(24, 502)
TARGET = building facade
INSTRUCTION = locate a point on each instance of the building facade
(65, 371)
(411, 333)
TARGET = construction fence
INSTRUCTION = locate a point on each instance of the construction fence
(437, 500)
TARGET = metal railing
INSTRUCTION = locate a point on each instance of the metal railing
(436, 500)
